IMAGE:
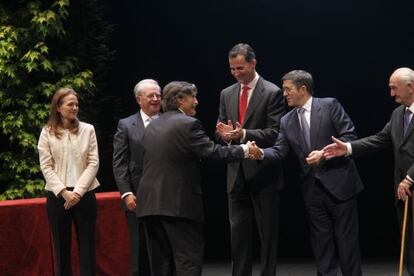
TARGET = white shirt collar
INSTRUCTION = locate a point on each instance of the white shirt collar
(308, 105)
(145, 117)
(411, 108)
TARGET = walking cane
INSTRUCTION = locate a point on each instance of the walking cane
(404, 226)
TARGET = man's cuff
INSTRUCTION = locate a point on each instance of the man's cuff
(243, 138)
(244, 135)
(349, 149)
(245, 150)
(125, 194)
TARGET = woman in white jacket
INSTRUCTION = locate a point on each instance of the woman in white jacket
(68, 153)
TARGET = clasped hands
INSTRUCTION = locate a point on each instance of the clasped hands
(71, 198)
(229, 133)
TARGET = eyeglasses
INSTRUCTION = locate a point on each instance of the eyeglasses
(153, 95)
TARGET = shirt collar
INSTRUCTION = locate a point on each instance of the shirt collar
(145, 117)
(253, 83)
(308, 105)
(411, 108)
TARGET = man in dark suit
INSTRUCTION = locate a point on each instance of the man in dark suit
(251, 110)
(329, 186)
(170, 204)
(127, 164)
(397, 134)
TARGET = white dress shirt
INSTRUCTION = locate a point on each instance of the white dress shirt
(307, 107)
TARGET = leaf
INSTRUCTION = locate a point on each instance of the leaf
(47, 65)
(50, 15)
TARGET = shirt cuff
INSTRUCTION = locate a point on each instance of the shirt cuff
(125, 194)
(245, 150)
(243, 138)
(349, 149)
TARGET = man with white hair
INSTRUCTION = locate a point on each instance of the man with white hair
(398, 133)
(127, 164)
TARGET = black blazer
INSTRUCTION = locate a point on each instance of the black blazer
(170, 183)
(338, 175)
(128, 153)
(262, 121)
(392, 135)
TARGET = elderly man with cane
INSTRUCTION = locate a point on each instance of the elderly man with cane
(398, 133)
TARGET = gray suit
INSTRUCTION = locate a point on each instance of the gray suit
(253, 187)
(170, 192)
(392, 135)
(329, 188)
(127, 167)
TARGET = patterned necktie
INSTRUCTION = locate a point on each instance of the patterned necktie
(407, 114)
(243, 103)
(305, 127)
(148, 121)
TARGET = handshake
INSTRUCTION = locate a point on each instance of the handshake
(230, 133)
(255, 153)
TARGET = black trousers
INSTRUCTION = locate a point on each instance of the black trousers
(245, 208)
(333, 226)
(175, 245)
(139, 255)
(83, 215)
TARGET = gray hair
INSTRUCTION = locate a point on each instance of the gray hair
(299, 78)
(176, 90)
(405, 74)
(243, 49)
(145, 83)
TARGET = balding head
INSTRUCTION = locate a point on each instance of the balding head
(402, 86)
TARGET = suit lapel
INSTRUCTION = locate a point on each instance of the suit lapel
(233, 107)
(138, 126)
(254, 100)
(315, 121)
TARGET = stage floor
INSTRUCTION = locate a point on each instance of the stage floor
(304, 268)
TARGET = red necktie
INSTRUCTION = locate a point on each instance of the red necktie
(243, 103)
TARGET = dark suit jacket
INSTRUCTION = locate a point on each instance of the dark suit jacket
(392, 135)
(338, 175)
(128, 153)
(266, 107)
(170, 183)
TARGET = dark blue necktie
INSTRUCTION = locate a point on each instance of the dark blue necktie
(305, 127)
(407, 114)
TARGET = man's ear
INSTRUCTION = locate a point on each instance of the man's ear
(254, 62)
(303, 89)
(411, 87)
(180, 102)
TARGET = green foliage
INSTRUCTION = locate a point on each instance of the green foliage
(36, 57)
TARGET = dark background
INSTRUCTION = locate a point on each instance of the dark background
(350, 47)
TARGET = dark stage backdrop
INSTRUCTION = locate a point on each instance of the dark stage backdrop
(350, 47)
